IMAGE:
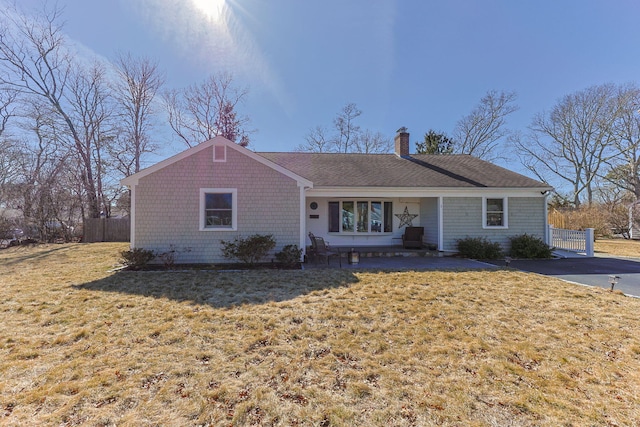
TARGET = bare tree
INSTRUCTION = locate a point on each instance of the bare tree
(479, 133)
(201, 112)
(625, 167)
(10, 155)
(574, 141)
(91, 112)
(316, 141)
(348, 131)
(139, 82)
(346, 136)
(38, 190)
(615, 202)
(8, 152)
(34, 61)
(8, 103)
(369, 142)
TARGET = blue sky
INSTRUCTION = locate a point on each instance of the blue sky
(419, 64)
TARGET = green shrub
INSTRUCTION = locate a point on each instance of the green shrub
(250, 249)
(168, 258)
(479, 248)
(289, 256)
(528, 246)
(137, 257)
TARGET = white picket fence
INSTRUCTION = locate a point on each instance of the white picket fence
(572, 240)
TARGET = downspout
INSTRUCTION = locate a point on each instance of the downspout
(132, 217)
(630, 220)
(547, 236)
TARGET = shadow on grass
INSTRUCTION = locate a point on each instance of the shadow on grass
(223, 289)
(19, 254)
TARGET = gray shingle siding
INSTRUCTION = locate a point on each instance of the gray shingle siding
(168, 205)
(462, 217)
(429, 219)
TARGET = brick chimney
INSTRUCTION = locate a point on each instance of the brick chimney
(402, 142)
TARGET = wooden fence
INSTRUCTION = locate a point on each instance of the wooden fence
(106, 230)
(557, 219)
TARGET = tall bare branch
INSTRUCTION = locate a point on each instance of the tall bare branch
(34, 61)
(480, 132)
(138, 84)
(204, 111)
(575, 140)
(345, 136)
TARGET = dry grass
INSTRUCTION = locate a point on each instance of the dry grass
(618, 247)
(79, 345)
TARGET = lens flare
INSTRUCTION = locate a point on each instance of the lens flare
(212, 9)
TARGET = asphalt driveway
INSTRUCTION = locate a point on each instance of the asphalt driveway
(587, 271)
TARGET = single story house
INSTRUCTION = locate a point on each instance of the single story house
(219, 190)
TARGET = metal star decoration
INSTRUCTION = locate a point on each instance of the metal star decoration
(406, 218)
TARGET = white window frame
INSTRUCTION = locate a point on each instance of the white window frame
(224, 153)
(505, 213)
(234, 208)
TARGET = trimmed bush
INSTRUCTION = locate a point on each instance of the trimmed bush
(479, 248)
(289, 256)
(250, 249)
(528, 246)
(137, 258)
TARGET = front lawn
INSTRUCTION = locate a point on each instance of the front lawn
(618, 247)
(80, 345)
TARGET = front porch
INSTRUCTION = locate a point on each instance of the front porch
(372, 224)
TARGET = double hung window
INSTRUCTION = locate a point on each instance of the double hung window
(218, 209)
(494, 212)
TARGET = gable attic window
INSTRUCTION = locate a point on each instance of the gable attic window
(218, 209)
(494, 212)
(220, 153)
(360, 216)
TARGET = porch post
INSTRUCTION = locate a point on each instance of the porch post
(440, 224)
(303, 223)
(589, 244)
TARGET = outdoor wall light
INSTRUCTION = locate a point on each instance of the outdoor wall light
(613, 280)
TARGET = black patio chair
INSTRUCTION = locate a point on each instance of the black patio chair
(320, 249)
(412, 237)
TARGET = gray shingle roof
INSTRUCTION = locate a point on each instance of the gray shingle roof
(389, 170)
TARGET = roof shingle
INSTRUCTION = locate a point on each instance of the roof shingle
(389, 170)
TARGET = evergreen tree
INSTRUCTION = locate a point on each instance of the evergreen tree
(434, 143)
